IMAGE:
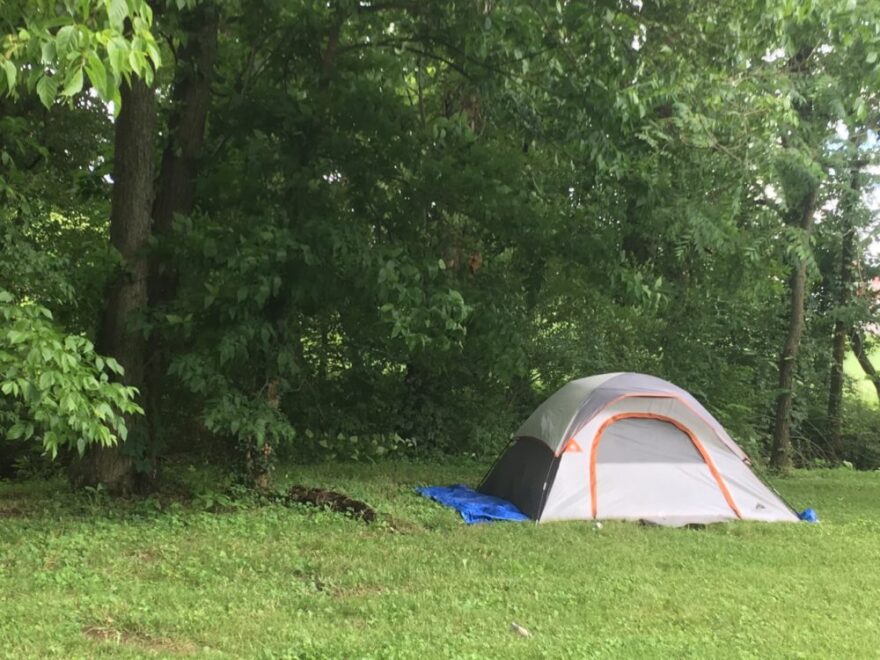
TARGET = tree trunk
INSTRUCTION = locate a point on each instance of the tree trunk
(114, 467)
(191, 99)
(835, 385)
(781, 456)
(858, 346)
(175, 188)
(842, 326)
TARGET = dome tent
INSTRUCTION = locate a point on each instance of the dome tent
(633, 447)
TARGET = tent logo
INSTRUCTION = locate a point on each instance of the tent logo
(572, 447)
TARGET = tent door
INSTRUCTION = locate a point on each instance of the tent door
(648, 466)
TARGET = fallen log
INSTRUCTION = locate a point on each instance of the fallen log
(333, 501)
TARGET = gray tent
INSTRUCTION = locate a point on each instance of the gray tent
(633, 447)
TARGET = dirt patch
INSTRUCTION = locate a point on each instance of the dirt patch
(651, 523)
(140, 640)
(11, 512)
(333, 501)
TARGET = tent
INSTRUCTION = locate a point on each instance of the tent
(632, 447)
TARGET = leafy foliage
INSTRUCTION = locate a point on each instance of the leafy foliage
(416, 220)
(51, 47)
(54, 386)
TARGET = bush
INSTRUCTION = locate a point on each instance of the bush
(861, 436)
(54, 387)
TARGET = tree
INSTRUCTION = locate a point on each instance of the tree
(827, 68)
(58, 388)
(848, 208)
(176, 187)
(372, 225)
(127, 294)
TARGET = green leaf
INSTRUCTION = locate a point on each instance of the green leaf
(64, 39)
(11, 74)
(47, 52)
(154, 55)
(74, 84)
(50, 439)
(16, 336)
(114, 366)
(872, 57)
(103, 411)
(117, 53)
(117, 12)
(47, 87)
(97, 74)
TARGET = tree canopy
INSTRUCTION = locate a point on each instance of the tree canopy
(350, 228)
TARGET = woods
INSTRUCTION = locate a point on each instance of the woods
(346, 230)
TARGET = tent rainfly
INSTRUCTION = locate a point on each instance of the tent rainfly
(629, 446)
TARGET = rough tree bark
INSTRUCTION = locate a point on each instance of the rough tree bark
(131, 200)
(781, 456)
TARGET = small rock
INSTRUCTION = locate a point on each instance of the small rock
(519, 630)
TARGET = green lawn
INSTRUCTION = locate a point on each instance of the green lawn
(861, 384)
(83, 578)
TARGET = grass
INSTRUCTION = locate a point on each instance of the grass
(84, 577)
(862, 388)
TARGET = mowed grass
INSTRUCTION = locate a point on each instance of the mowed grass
(862, 388)
(83, 577)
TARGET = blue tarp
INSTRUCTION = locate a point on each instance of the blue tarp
(809, 515)
(474, 507)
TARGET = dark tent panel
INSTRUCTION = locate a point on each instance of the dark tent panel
(520, 474)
